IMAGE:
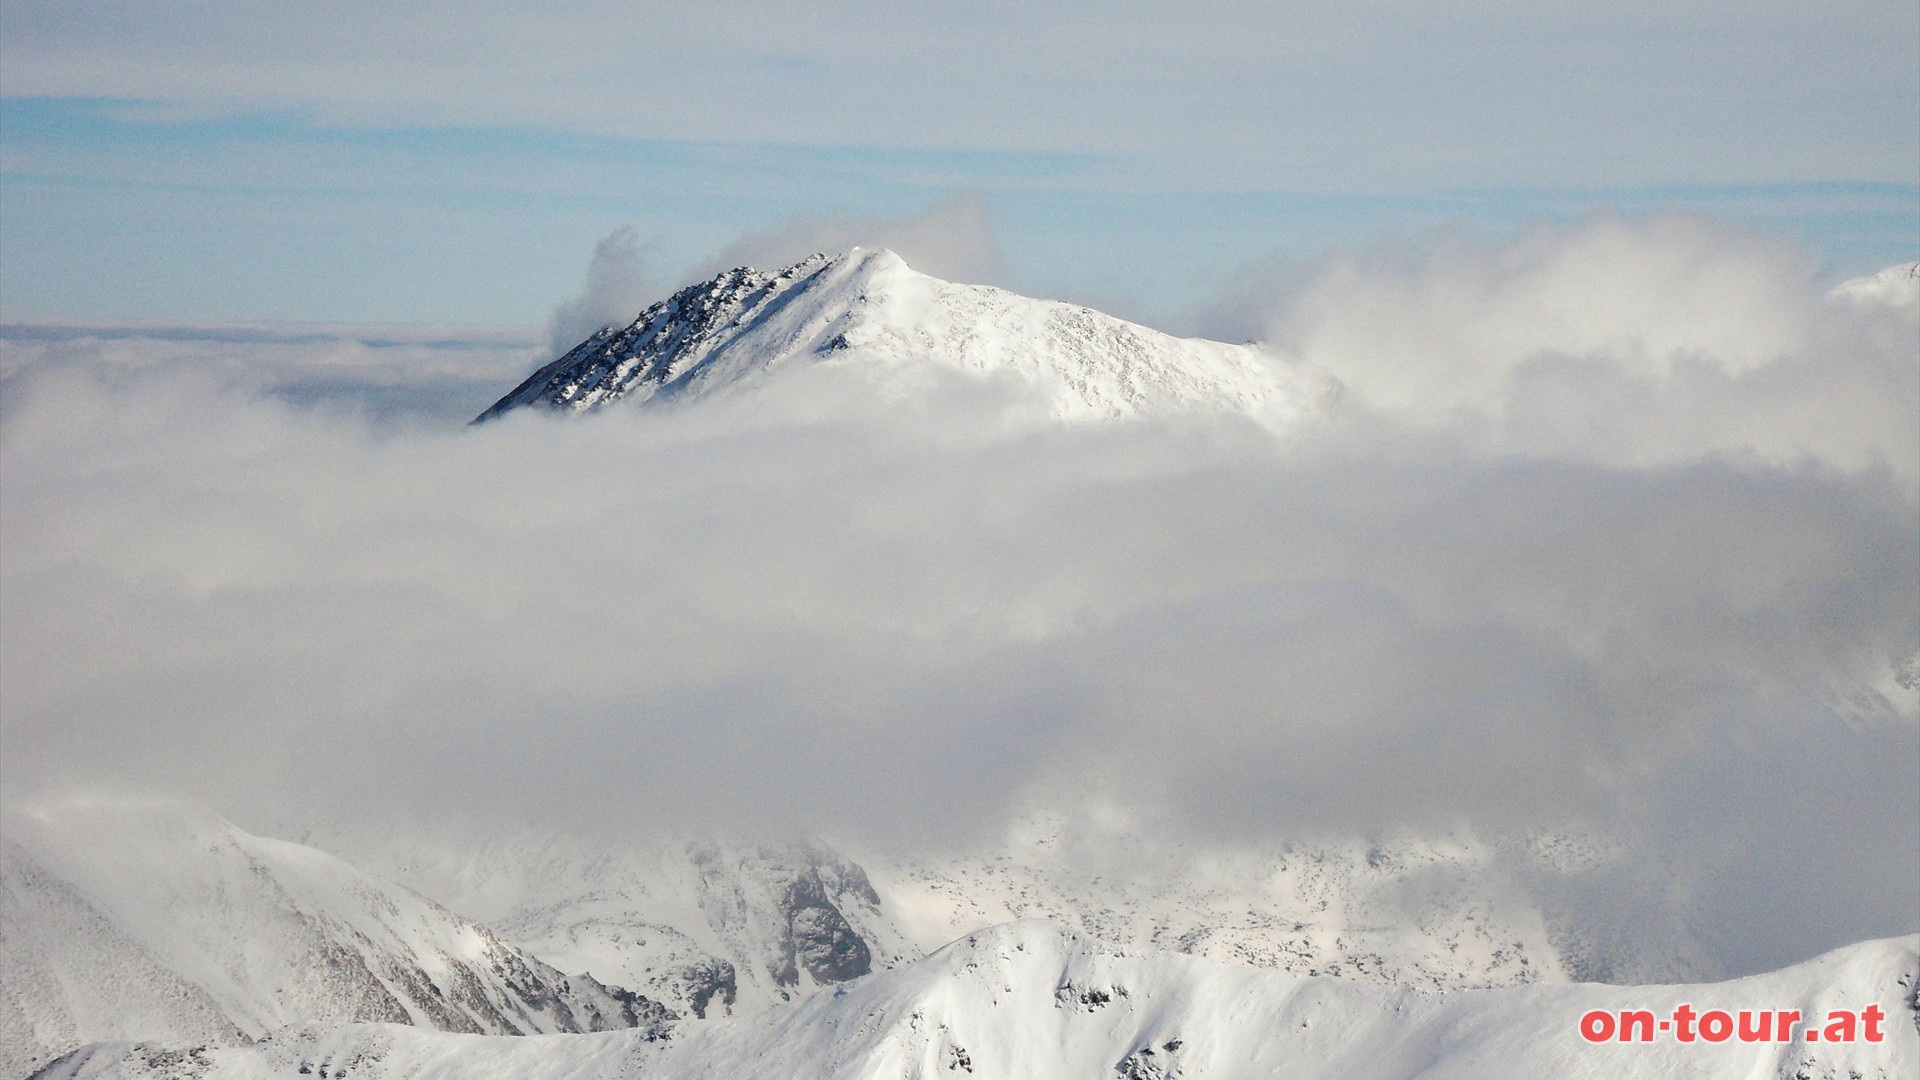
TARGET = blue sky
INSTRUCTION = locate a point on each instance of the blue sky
(178, 161)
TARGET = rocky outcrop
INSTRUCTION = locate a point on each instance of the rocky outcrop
(785, 902)
(661, 350)
(709, 979)
(868, 311)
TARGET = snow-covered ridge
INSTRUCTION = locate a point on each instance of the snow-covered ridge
(731, 929)
(125, 918)
(711, 927)
(1440, 910)
(868, 308)
(1896, 287)
(1029, 1000)
(156, 921)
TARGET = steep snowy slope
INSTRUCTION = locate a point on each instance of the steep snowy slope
(711, 928)
(139, 919)
(258, 933)
(1030, 1001)
(1440, 910)
(868, 308)
(694, 924)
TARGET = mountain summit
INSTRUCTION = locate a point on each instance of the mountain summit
(870, 308)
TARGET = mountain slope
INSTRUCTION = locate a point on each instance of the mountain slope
(125, 919)
(1442, 909)
(868, 309)
(711, 928)
(1895, 287)
(1028, 1000)
(718, 928)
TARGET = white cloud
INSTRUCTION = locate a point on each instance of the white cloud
(395, 374)
(1637, 341)
(897, 626)
(1309, 95)
(617, 288)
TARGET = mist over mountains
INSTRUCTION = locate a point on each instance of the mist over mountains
(1152, 541)
(1611, 534)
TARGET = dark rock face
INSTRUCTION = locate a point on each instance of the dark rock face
(627, 1009)
(789, 903)
(707, 980)
(825, 945)
(818, 938)
(575, 1003)
(662, 350)
(1089, 998)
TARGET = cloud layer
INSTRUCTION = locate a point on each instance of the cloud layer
(1454, 604)
(1312, 95)
(392, 375)
(1629, 342)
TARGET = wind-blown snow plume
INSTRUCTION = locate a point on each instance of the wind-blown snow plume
(617, 286)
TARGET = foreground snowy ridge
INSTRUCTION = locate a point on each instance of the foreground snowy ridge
(869, 309)
(131, 919)
(1445, 912)
(151, 920)
(156, 921)
(1028, 1000)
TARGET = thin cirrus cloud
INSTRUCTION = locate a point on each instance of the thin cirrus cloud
(191, 161)
(183, 161)
(1652, 615)
(1324, 93)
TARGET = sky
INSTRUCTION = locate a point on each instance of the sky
(455, 164)
(1617, 527)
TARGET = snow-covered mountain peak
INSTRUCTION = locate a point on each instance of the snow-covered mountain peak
(868, 310)
(1039, 1003)
(1894, 287)
(870, 264)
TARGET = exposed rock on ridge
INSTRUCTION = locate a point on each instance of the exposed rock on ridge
(869, 309)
